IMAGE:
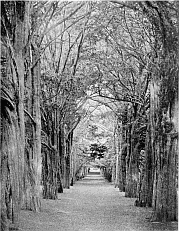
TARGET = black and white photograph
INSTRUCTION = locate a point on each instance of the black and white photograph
(89, 115)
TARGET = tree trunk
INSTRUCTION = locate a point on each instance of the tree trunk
(12, 171)
(122, 179)
(131, 167)
(49, 173)
(165, 190)
(32, 179)
(115, 168)
(66, 157)
(37, 162)
(13, 128)
(146, 179)
(63, 154)
(67, 160)
(60, 150)
(120, 158)
(73, 164)
(165, 153)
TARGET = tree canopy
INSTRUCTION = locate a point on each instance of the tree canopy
(89, 83)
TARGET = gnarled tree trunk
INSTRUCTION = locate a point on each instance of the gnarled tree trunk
(131, 167)
(33, 168)
(165, 172)
(146, 179)
(12, 115)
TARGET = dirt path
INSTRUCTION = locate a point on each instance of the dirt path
(91, 205)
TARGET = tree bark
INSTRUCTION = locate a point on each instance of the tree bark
(131, 167)
(146, 179)
(33, 169)
(13, 127)
(165, 155)
(118, 177)
(67, 164)
(122, 180)
(49, 173)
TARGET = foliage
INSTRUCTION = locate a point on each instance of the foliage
(97, 150)
(96, 63)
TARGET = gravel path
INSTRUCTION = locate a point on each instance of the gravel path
(92, 204)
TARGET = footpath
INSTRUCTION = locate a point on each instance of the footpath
(92, 204)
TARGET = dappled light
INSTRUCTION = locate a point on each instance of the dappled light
(89, 115)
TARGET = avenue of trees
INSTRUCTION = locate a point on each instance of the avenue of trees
(57, 57)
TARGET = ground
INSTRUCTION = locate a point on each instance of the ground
(92, 204)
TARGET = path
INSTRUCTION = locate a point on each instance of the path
(92, 204)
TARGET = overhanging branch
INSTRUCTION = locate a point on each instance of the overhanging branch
(32, 119)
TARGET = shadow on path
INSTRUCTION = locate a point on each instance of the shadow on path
(92, 204)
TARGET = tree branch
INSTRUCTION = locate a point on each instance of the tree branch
(32, 119)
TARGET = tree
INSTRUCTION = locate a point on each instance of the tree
(122, 72)
(139, 52)
(63, 94)
(97, 150)
(163, 100)
(14, 36)
(59, 57)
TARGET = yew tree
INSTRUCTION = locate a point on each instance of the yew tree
(14, 38)
(56, 57)
(162, 136)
